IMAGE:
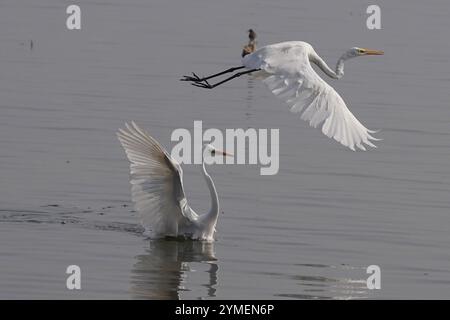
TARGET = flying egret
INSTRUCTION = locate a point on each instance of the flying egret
(286, 70)
(251, 46)
(158, 192)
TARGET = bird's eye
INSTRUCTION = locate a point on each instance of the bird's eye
(361, 50)
(213, 152)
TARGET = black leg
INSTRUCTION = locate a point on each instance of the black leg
(196, 78)
(206, 85)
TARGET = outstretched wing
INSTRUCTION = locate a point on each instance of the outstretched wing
(157, 183)
(290, 77)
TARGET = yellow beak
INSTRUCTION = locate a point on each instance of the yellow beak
(224, 153)
(373, 52)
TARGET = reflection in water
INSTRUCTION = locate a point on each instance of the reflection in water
(249, 98)
(162, 272)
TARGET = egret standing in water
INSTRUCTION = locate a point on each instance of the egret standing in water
(286, 70)
(158, 192)
(251, 46)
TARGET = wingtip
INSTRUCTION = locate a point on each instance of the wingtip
(121, 132)
(373, 131)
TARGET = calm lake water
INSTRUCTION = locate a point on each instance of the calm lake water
(308, 232)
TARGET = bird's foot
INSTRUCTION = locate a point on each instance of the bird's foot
(195, 78)
(197, 81)
(204, 84)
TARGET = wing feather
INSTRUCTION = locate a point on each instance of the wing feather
(290, 77)
(156, 179)
(318, 104)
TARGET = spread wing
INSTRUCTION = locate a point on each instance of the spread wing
(291, 78)
(157, 183)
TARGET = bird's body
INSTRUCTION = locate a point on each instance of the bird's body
(251, 34)
(286, 70)
(250, 47)
(158, 192)
(277, 54)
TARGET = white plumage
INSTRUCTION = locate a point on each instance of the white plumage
(157, 189)
(286, 70)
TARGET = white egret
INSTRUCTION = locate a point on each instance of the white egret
(158, 192)
(286, 69)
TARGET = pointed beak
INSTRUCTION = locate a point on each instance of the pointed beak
(224, 153)
(372, 52)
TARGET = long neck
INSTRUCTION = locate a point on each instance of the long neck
(214, 211)
(314, 57)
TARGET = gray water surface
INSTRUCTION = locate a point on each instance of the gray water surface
(309, 232)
